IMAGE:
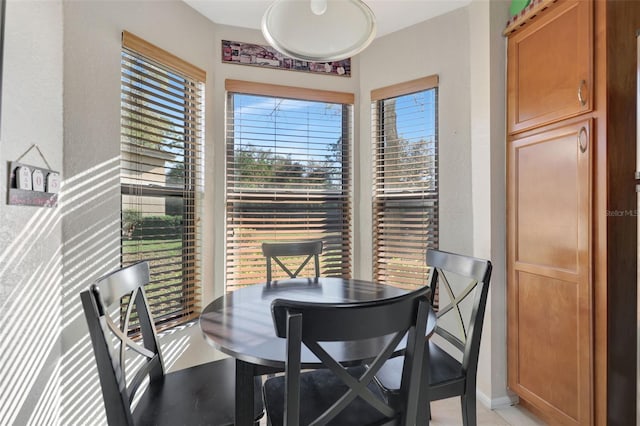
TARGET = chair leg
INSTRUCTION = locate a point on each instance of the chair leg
(424, 411)
(468, 403)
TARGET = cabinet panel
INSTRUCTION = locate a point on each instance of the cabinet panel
(550, 74)
(549, 356)
(548, 189)
(549, 309)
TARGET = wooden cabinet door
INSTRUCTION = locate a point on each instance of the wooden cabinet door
(550, 75)
(549, 256)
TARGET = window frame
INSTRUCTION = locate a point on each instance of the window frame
(344, 197)
(189, 133)
(424, 201)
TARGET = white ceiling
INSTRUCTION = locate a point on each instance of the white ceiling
(391, 15)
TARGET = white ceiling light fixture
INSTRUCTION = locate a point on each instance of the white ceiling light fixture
(319, 30)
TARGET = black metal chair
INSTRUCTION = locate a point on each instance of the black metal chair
(200, 395)
(276, 251)
(447, 376)
(336, 394)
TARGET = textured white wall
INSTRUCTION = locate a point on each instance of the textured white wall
(84, 229)
(466, 49)
(30, 237)
(438, 46)
(92, 46)
(217, 125)
(92, 145)
(488, 151)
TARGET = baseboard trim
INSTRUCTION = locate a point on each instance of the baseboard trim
(495, 403)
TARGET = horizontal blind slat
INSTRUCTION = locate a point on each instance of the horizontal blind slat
(161, 158)
(405, 187)
(288, 177)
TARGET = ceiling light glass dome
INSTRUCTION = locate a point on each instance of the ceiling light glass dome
(319, 30)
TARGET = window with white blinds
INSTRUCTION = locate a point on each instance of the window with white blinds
(160, 176)
(288, 176)
(405, 185)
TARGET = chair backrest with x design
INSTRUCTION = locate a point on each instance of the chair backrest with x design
(305, 250)
(312, 324)
(112, 360)
(463, 282)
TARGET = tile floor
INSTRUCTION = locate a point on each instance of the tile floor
(447, 412)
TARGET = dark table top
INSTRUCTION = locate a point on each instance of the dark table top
(240, 323)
